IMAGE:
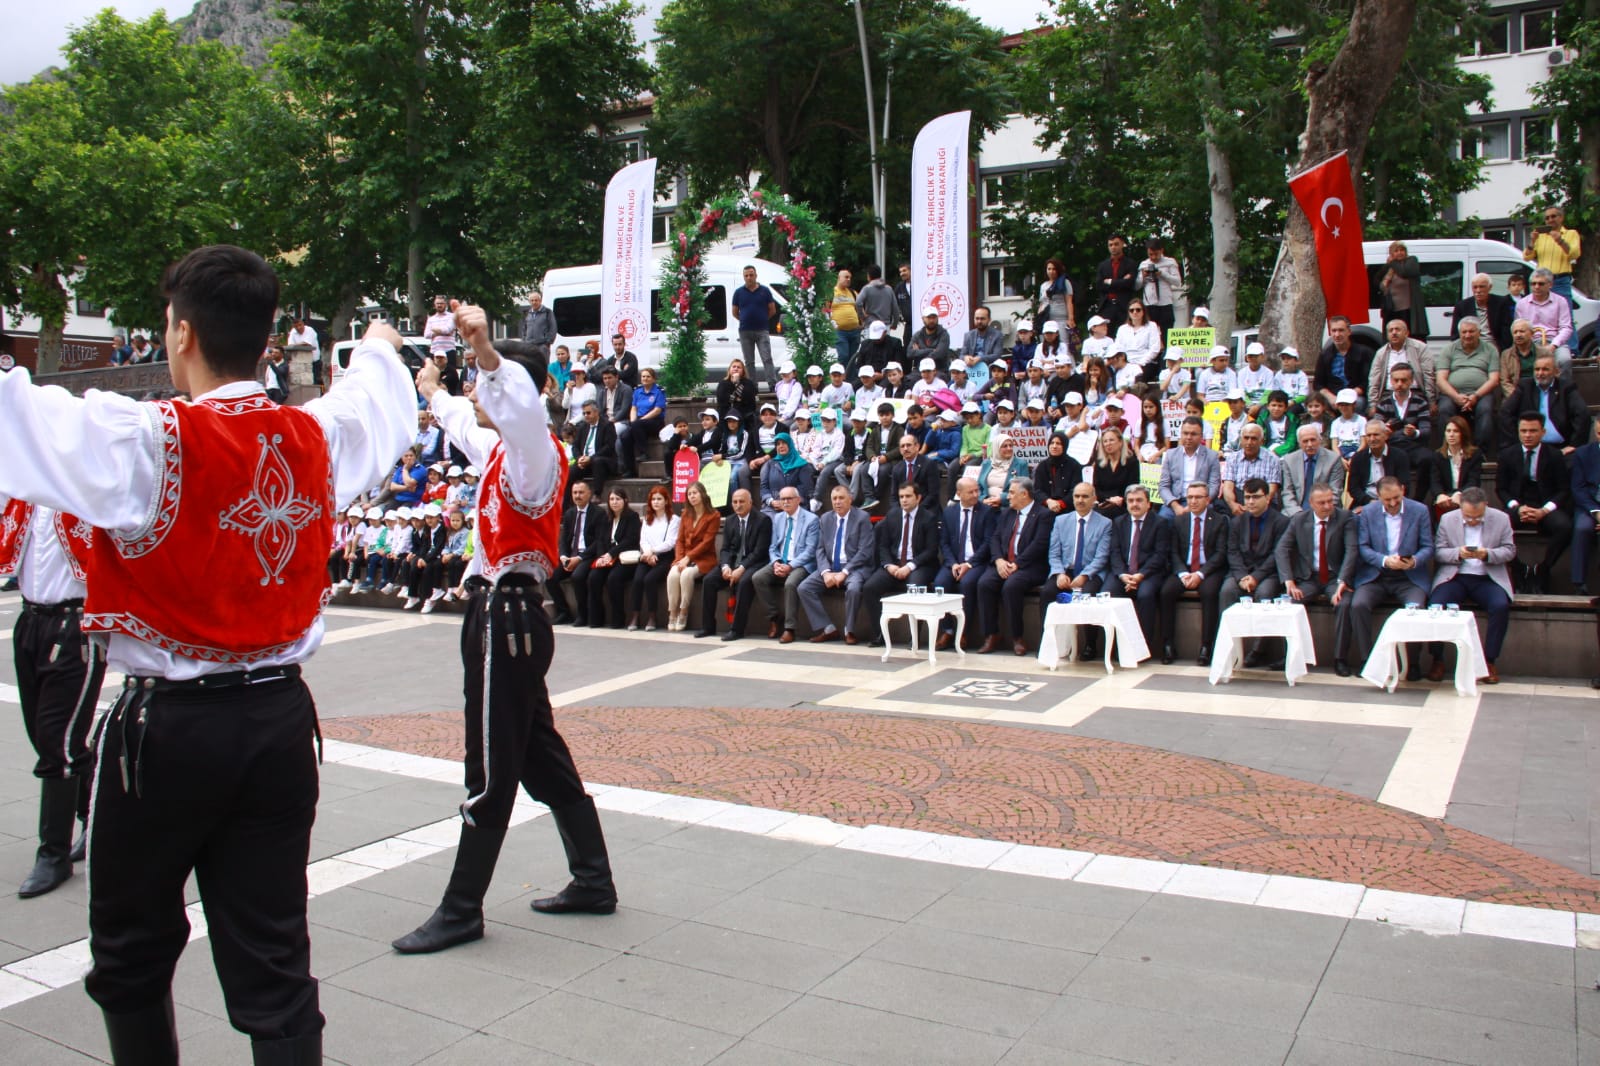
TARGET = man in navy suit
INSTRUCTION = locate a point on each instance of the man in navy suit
(1586, 501)
(844, 561)
(1395, 540)
(583, 530)
(1020, 554)
(1080, 554)
(1141, 546)
(1533, 485)
(1199, 564)
(908, 554)
(964, 553)
(1252, 559)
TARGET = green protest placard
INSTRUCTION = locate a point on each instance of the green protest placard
(1150, 478)
(1196, 344)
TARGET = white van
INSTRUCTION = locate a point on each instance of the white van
(413, 352)
(1448, 264)
(573, 293)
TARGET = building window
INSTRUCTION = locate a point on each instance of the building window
(1489, 140)
(85, 309)
(1499, 233)
(660, 229)
(632, 149)
(994, 190)
(1539, 30)
(1538, 136)
(1495, 40)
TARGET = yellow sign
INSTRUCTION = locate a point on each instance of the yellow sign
(1217, 412)
(1196, 344)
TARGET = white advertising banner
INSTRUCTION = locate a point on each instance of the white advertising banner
(940, 232)
(625, 258)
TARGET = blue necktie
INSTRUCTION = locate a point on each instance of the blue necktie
(788, 536)
(1311, 472)
(1077, 551)
(838, 544)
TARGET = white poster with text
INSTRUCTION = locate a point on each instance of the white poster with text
(940, 229)
(625, 258)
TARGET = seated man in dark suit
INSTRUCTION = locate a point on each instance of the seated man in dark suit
(1141, 549)
(964, 556)
(584, 528)
(1534, 488)
(1252, 557)
(594, 449)
(746, 548)
(1317, 558)
(1199, 564)
(1565, 413)
(1019, 553)
(1080, 557)
(914, 466)
(1373, 463)
(908, 554)
(1395, 540)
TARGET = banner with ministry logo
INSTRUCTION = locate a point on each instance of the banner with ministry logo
(940, 231)
(625, 258)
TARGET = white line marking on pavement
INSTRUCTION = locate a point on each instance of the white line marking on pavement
(9, 693)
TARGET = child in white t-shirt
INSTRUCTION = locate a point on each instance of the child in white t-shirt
(1291, 379)
(1176, 382)
(1214, 382)
(1347, 430)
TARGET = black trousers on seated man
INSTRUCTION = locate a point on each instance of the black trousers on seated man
(743, 592)
(1210, 593)
(1088, 636)
(1554, 532)
(1005, 595)
(1146, 604)
(1314, 591)
(968, 588)
(221, 782)
(880, 584)
(578, 578)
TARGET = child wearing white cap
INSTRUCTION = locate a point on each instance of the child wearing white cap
(1291, 379)
(1214, 382)
(1098, 343)
(868, 393)
(928, 380)
(790, 393)
(1256, 378)
(344, 531)
(974, 435)
(1348, 430)
(811, 399)
(1053, 344)
(837, 393)
(1176, 382)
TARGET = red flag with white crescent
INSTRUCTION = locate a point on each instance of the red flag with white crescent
(1327, 194)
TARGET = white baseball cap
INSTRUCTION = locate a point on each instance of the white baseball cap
(787, 367)
(1255, 348)
(1024, 327)
(970, 408)
(354, 512)
(1073, 398)
(828, 414)
(858, 415)
(813, 369)
(949, 416)
(407, 514)
(1235, 394)
(802, 414)
(958, 367)
(710, 412)
(876, 330)
(1219, 352)
(1201, 312)
(1051, 327)
(1002, 364)
(928, 364)
(454, 471)
(434, 510)
(1117, 401)
(836, 368)
(391, 515)
(1289, 352)
(866, 372)
(471, 471)
(1345, 396)
(1035, 404)
(769, 407)
(578, 368)
(1096, 320)
(1007, 404)
(930, 310)
(892, 366)
(1174, 353)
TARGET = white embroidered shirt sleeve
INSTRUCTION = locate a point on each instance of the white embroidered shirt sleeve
(513, 403)
(369, 418)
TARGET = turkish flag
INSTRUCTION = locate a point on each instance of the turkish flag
(1327, 195)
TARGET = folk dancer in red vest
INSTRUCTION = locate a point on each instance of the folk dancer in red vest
(58, 675)
(507, 641)
(206, 761)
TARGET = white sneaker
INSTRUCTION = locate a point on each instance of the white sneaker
(450, 595)
(411, 601)
(427, 608)
(436, 595)
(400, 592)
(389, 589)
(342, 586)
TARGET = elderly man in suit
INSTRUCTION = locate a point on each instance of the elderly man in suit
(907, 554)
(844, 561)
(1252, 556)
(1492, 314)
(594, 449)
(1373, 463)
(964, 555)
(1305, 469)
(1534, 486)
(1317, 558)
(1396, 545)
(583, 531)
(1141, 546)
(1189, 462)
(1080, 554)
(1019, 553)
(1472, 547)
(746, 547)
(789, 559)
(1199, 564)
(1585, 464)
(1562, 408)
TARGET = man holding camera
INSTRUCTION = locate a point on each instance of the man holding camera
(1555, 248)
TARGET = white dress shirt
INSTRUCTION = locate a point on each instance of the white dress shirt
(96, 456)
(44, 574)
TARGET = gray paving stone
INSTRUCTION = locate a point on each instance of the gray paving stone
(334, 951)
(622, 931)
(1028, 1054)
(481, 1049)
(1045, 893)
(754, 912)
(368, 1032)
(693, 996)
(67, 1016)
(422, 883)
(861, 1036)
(1248, 942)
(984, 1006)
(1381, 945)
(20, 1046)
(529, 955)
(732, 953)
(1025, 925)
(733, 870)
(711, 841)
(715, 692)
(370, 915)
(669, 897)
(1138, 1034)
(608, 1035)
(984, 958)
(439, 986)
(46, 921)
(1229, 998)
(750, 1053)
(1316, 1051)
(1455, 1037)
(806, 884)
(865, 866)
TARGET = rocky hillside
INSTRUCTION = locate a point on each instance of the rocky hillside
(250, 25)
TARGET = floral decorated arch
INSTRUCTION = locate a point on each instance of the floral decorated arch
(807, 328)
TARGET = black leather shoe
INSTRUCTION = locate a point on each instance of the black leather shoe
(1341, 668)
(730, 635)
(563, 618)
(459, 917)
(1204, 658)
(303, 1050)
(1168, 653)
(591, 890)
(875, 642)
(1580, 588)
(704, 633)
(1252, 660)
(58, 814)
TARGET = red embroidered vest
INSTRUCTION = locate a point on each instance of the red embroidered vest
(73, 534)
(231, 564)
(511, 532)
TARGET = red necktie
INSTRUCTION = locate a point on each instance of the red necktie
(1194, 546)
(905, 537)
(1016, 535)
(1133, 547)
(1322, 550)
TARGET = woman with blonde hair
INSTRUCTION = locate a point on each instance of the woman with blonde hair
(695, 555)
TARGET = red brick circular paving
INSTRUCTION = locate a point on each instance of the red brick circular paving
(1026, 786)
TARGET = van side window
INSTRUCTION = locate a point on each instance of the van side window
(716, 309)
(577, 316)
(1501, 271)
(1443, 283)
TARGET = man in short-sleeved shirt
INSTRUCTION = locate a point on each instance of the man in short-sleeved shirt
(754, 305)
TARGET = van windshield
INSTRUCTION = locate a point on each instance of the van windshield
(1443, 282)
(716, 309)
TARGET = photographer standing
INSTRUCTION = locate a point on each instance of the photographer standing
(1555, 248)
(1160, 277)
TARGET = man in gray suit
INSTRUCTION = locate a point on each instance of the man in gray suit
(1189, 462)
(1317, 560)
(1080, 559)
(1472, 546)
(1396, 546)
(844, 561)
(1307, 468)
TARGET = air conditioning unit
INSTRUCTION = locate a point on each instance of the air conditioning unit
(1556, 57)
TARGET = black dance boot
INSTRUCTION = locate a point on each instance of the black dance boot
(80, 847)
(304, 1050)
(58, 807)
(591, 890)
(147, 1037)
(459, 918)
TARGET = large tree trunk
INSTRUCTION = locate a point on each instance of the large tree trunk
(1344, 98)
(339, 325)
(52, 317)
(1224, 299)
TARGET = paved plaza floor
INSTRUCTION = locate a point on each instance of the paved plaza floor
(826, 858)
